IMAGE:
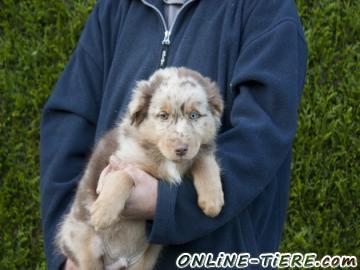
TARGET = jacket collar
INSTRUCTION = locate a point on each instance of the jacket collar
(158, 6)
(159, 3)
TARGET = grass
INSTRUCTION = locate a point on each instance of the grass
(36, 40)
(324, 210)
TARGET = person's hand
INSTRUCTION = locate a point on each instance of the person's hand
(69, 265)
(142, 201)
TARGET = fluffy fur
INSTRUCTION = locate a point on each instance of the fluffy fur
(168, 131)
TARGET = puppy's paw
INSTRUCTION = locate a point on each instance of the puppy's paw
(103, 215)
(212, 203)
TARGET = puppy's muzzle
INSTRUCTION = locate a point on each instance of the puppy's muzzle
(181, 150)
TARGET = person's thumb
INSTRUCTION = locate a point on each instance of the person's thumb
(116, 163)
(136, 174)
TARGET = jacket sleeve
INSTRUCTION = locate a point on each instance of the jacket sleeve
(267, 84)
(67, 132)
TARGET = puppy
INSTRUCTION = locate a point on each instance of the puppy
(169, 132)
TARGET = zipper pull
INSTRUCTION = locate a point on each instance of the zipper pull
(165, 49)
(166, 39)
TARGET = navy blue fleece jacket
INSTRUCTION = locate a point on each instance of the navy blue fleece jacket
(253, 49)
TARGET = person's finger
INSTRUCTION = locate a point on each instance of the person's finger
(102, 178)
(117, 163)
(69, 265)
(138, 175)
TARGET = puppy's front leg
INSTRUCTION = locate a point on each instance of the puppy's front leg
(106, 210)
(206, 175)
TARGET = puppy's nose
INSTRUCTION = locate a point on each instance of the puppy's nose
(181, 150)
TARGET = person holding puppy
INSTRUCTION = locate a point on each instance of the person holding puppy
(254, 50)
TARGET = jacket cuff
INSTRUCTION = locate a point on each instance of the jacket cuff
(57, 262)
(162, 225)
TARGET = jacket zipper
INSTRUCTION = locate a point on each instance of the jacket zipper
(166, 42)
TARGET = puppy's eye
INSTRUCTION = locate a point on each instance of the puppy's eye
(194, 115)
(163, 115)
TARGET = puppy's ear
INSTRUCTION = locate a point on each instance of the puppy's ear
(214, 98)
(140, 101)
(215, 101)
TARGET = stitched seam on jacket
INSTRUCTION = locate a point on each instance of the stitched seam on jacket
(285, 20)
(92, 59)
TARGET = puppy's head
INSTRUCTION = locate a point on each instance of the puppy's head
(177, 110)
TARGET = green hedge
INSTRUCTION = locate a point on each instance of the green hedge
(36, 40)
(324, 211)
